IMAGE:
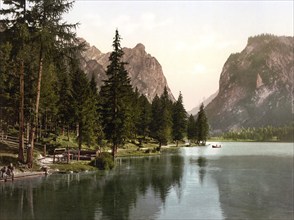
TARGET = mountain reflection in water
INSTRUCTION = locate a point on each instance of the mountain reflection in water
(240, 180)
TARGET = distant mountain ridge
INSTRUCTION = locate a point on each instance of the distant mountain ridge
(255, 86)
(205, 102)
(144, 70)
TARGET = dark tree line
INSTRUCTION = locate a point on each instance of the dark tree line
(268, 133)
(36, 43)
(43, 89)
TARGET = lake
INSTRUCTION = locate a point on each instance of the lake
(238, 180)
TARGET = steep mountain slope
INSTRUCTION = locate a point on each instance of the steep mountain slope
(145, 71)
(256, 86)
(195, 110)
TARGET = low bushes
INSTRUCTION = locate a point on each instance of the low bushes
(104, 161)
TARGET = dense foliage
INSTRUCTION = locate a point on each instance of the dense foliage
(46, 94)
(103, 162)
(198, 130)
(269, 133)
(116, 96)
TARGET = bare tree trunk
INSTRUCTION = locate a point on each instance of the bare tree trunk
(21, 113)
(80, 140)
(28, 131)
(35, 121)
(114, 151)
(67, 133)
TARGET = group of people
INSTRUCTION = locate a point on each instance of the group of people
(7, 171)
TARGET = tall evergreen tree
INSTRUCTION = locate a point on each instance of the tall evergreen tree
(36, 31)
(179, 120)
(84, 108)
(161, 125)
(191, 129)
(50, 97)
(52, 36)
(202, 126)
(144, 120)
(115, 96)
(98, 134)
(16, 29)
(155, 117)
(65, 109)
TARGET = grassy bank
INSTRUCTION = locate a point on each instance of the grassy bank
(77, 166)
(9, 153)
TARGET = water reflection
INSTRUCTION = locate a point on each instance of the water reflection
(191, 184)
(136, 189)
(255, 187)
(202, 163)
(140, 182)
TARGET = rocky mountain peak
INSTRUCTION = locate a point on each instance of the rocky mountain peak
(139, 47)
(256, 85)
(144, 70)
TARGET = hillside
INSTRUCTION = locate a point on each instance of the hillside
(255, 86)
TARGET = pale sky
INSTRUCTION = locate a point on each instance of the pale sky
(190, 39)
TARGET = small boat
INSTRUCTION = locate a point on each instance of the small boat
(216, 146)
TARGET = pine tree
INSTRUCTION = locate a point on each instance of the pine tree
(15, 26)
(202, 126)
(98, 134)
(115, 96)
(165, 127)
(135, 113)
(84, 107)
(144, 120)
(179, 120)
(50, 97)
(161, 125)
(52, 36)
(191, 129)
(65, 109)
(155, 117)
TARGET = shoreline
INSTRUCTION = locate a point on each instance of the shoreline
(22, 176)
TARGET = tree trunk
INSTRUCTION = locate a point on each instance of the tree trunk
(35, 121)
(21, 113)
(77, 130)
(114, 150)
(28, 132)
(67, 133)
(79, 140)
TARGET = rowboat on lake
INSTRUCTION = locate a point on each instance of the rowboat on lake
(216, 146)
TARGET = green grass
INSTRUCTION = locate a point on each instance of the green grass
(78, 166)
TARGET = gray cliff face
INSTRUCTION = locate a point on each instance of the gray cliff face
(144, 70)
(256, 86)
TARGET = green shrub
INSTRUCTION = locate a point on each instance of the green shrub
(104, 161)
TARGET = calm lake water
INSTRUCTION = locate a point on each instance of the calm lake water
(237, 181)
